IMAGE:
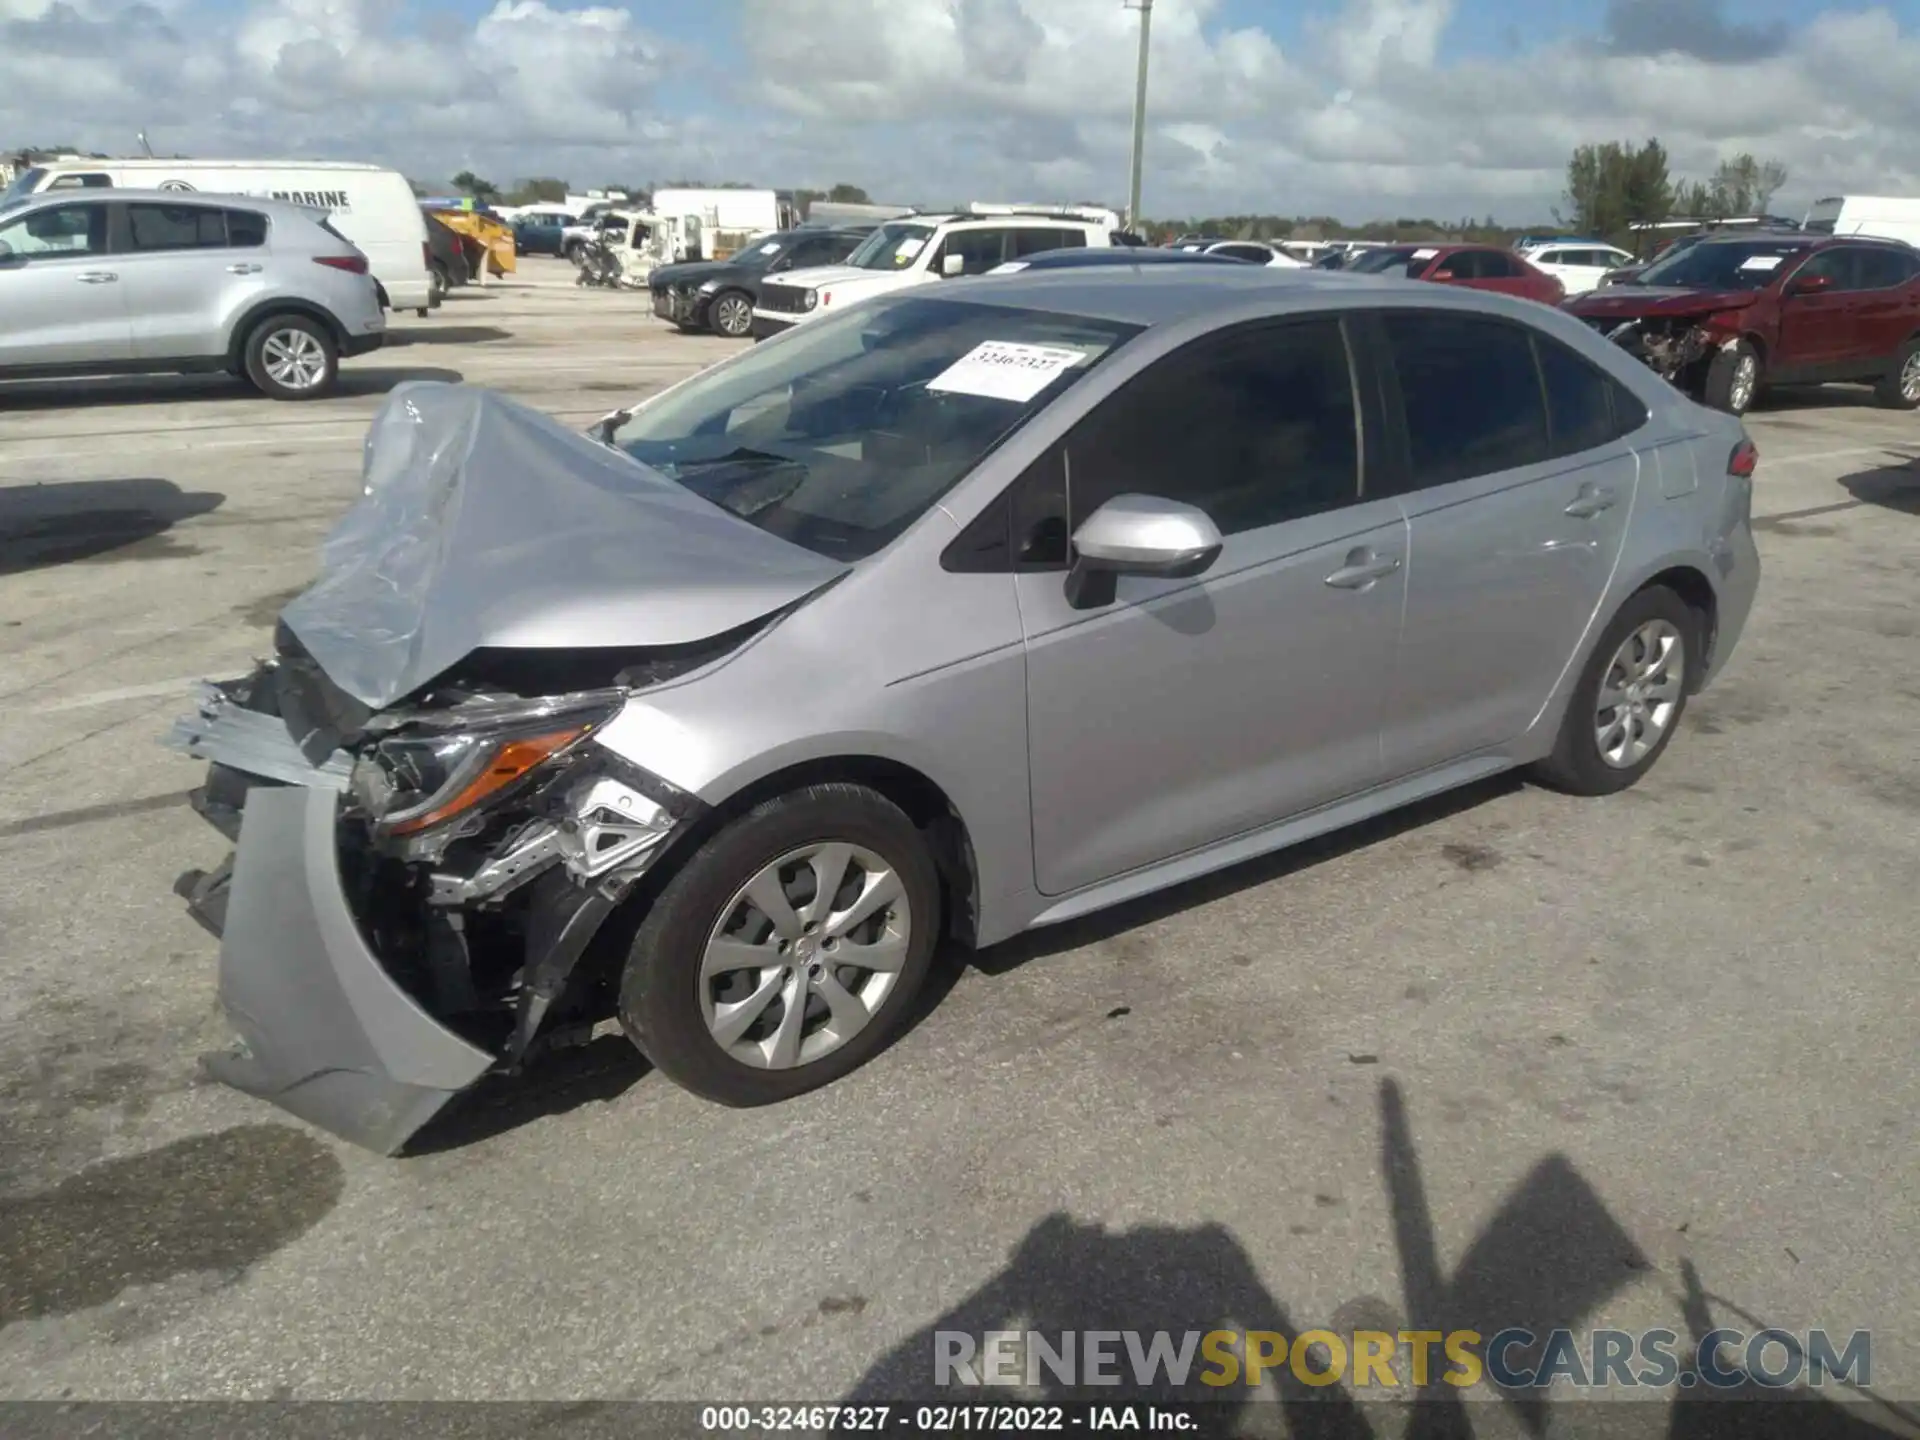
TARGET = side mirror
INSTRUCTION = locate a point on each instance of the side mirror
(1138, 535)
(1441, 274)
(1811, 285)
(953, 265)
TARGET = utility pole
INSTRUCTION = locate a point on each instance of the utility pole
(1145, 7)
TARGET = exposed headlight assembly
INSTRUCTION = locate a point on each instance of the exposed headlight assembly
(811, 299)
(709, 287)
(460, 762)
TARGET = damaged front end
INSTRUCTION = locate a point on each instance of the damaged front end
(428, 831)
(409, 903)
(1677, 350)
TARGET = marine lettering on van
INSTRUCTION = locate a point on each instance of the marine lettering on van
(319, 199)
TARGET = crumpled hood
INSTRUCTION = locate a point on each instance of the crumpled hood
(483, 522)
(1634, 302)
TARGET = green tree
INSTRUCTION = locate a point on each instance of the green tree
(845, 194)
(1612, 186)
(483, 191)
(543, 191)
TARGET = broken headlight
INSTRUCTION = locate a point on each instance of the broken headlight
(457, 763)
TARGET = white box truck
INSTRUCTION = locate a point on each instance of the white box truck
(1884, 217)
(372, 207)
(713, 224)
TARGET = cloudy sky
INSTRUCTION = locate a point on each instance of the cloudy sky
(1358, 108)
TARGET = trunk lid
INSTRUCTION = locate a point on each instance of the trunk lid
(484, 523)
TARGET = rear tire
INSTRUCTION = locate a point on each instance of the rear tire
(291, 357)
(439, 282)
(673, 996)
(1733, 379)
(1899, 388)
(1624, 669)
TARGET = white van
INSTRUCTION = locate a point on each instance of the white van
(372, 207)
(1881, 216)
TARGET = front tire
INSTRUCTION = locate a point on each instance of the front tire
(1899, 388)
(1733, 379)
(732, 315)
(290, 357)
(1629, 698)
(787, 951)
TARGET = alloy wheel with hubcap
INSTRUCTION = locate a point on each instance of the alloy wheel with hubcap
(1746, 375)
(733, 316)
(1910, 379)
(804, 955)
(294, 359)
(786, 951)
(1640, 694)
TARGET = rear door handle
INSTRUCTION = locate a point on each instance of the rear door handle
(96, 277)
(1590, 502)
(1363, 567)
(245, 269)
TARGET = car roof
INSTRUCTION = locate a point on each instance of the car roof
(1082, 256)
(129, 194)
(1168, 292)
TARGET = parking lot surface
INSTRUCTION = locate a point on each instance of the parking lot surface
(1523, 1057)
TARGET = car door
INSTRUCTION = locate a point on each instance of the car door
(181, 278)
(979, 251)
(61, 301)
(1886, 309)
(1518, 475)
(1817, 327)
(1188, 711)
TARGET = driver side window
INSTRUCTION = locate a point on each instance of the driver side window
(57, 234)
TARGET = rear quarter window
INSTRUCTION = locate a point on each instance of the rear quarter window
(1586, 408)
(246, 228)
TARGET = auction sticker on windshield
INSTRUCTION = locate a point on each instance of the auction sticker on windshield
(1761, 262)
(1005, 370)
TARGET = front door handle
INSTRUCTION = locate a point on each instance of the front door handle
(245, 269)
(1591, 500)
(1363, 567)
(96, 277)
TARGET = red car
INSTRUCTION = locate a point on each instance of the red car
(1736, 312)
(1479, 267)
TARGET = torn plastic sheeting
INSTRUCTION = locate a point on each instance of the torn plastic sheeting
(483, 522)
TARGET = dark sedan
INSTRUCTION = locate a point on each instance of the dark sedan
(719, 295)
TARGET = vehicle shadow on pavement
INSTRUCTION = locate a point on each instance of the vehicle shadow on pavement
(1550, 1257)
(431, 334)
(559, 1081)
(64, 522)
(355, 379)
(1106, 924)
(1817, 397)
(1895, 486)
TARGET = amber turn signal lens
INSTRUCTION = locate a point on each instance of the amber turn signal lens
(503, 767)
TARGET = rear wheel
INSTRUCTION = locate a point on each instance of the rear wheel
(1899, 388)
(438, 282)
(732, 315)
(788, 950)
(290, 357)
(1629, 699)
(1733, 379)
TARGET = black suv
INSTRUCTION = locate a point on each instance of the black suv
(719, 295)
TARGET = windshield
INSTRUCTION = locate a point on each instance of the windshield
(847, 430)
(23, 185)
(1722, 264)
(762, 252)
(891, 247)
(1391, 262)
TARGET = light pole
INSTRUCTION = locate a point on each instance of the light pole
(1145, 7)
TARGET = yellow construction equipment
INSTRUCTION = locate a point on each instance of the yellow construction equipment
(486, 238)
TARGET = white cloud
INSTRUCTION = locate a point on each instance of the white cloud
(946, 99)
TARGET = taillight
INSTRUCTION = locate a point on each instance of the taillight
(352, 264)
(1744, 459)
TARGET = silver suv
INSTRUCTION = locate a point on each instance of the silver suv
(136, 281)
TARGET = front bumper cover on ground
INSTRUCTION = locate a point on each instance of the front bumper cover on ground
(326, 1033)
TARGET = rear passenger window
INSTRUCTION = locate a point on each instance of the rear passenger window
(1254, 427)
(246, 228)
(1585, 408)
(1884, 269)
(1034, 242)
(177, 227)
(1470, 393)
